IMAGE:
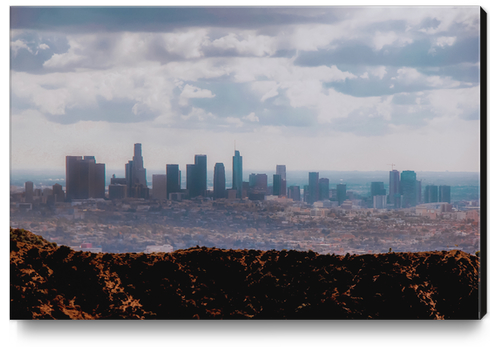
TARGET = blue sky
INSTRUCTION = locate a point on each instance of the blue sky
(314, 88)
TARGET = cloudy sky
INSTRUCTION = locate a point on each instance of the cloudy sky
(316, 88)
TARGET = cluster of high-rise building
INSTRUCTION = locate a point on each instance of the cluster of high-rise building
(85, 178)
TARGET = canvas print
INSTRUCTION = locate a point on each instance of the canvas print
(246, 163)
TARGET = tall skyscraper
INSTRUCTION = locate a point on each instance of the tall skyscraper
(237, 174)
(136, 175)
(191, 181)
(431, 194)
(394, 186)
(29, 191)
(341, 193)
(84, 178)
(313, 187)
(173, 179)
(219, 181)
(324, 187)
(408, 188)
(445, 194)
(201, 175)
(281, 170)
(276, 185)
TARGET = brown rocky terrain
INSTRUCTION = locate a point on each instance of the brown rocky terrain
(51, 282)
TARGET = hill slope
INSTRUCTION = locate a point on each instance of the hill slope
(51, 282)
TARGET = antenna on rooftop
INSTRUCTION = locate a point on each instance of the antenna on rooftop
(234, 145)
(392, 166)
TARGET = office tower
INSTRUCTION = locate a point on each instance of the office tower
(276, 185)
(294, 193)
(84, 178)
(258, 182)
(281, 170)
(29, 191)
(341, 193)
(173, 179)
(394, 187)
(136, 175)
(419, 192)
(378, 188)
(445, 194)
(59, 194)
(159, 187)
(306, 194)
(324, 187)
(431, 193)
(191, 181)
(219, 181)
(201, 176)
(118, 191)
(313, 188)
(237, 174)
(408, 188)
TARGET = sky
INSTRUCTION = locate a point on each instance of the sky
(312, 88)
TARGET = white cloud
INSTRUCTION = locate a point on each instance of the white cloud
(16, 45)
(190, 91)
(251, 117)
(249, 43)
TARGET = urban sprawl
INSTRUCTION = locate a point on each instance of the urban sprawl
(129, 216)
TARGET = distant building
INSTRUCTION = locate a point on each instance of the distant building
(191, 180)
(159, 187)
(29, 191)
(59, 194)
(84, 178)
(219, 182)
(245, 189)
(237, 174)
(136, 175)
(294, 193)
(431, 194)
(313, 187)
(173, 179)
(276, 185)
(324, 189)
(281, 170)
(231, 194)
(445, 194)
(197, 177)
(258, 182)
(420, 197)
(394, 188)
(378, 188)
(341, 193)
(408, 188)
(117, 191)
(379, 201)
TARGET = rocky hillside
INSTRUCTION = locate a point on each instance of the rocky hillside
(51, 282)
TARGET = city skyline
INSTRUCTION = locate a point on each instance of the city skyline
(324, 88)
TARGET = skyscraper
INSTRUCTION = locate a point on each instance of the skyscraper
(281, 170)
(294, 193)
(219, 181)
(159, 187)
(377, 188)
(136, 175)
(173, 179)
(59, 194)
(394, 187)
(431, 194)
(313, 188)
(341, 193)
(237, 174)
(324, 187)
(408, 188)
(276, 185)
(445, 194)
(29, 191)
(191, 181)
(84, 178)
(201, 176)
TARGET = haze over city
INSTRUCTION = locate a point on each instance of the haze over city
(324, 88)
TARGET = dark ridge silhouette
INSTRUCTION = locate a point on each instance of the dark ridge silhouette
(51, 282)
